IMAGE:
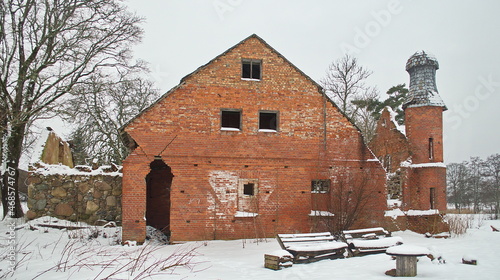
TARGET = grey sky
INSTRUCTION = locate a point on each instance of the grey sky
(463, 35)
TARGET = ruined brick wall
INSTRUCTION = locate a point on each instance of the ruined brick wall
(73, 195)
(432, 224)
(389, 144)
(391, 147)
(210, 166)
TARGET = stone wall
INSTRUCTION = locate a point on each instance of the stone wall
(71, 194)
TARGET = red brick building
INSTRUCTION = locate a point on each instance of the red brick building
(414, 160)
(247, 146)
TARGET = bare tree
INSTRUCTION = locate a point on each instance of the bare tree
(363, 115)
(46, 48)
(100, 108)
(457, 177)
(491, 170)
(345, 82)
(348, 199)
(475, 183)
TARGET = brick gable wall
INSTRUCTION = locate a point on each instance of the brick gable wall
(314, 141)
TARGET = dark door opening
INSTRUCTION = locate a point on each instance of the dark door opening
(158, 184)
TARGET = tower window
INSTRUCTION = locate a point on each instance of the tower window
(230, 119)
(433, 198)
(431, 148)
(251, 69)
(268, 120)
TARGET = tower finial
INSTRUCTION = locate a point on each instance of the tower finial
(423, 91)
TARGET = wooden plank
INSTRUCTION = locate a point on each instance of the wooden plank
(309, 247)
(406, 266)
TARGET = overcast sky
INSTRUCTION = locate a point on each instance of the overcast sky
(464, 36)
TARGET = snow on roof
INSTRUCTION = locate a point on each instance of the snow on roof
(392, 114)
(423, 91)
(40, 145)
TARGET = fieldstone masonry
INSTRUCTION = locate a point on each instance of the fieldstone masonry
(81, 193)
(74, 195)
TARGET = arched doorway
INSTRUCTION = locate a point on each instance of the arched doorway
(158, 183)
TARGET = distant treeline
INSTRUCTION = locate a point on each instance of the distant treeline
(475, 184)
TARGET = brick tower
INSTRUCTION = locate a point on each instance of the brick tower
(425, 187)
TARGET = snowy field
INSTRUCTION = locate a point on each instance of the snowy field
(51, 253)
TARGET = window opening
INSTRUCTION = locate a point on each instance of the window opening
(431, 148)
(387, 162)
(251, 69)
(248, 189)
(268, 121)
(433, 198)
(320, 186)
(231, 119)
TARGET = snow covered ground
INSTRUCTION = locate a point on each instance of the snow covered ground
(50, 253)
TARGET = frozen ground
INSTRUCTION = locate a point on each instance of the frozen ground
(50, 253)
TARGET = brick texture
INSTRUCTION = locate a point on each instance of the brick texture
(210, 166)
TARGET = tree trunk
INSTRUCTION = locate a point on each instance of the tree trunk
(10, 178)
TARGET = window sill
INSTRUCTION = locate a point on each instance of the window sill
(242, 214)
(250, 79)
(319, 191)
(229, 129)
(268, 130)
(317, 213)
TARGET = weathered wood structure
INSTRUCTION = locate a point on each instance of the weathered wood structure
(309, 247)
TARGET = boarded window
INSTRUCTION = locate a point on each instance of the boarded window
(268, 120)
(251, 69)
(231, 119)
(320, 186)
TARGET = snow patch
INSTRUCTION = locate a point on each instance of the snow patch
(410, 250)
(59, 169)
(393, 114)
(393, 203)
(229, 129)
(408, 164)
(394, 213)
(316, 213)
(39, 146)
(242, 214)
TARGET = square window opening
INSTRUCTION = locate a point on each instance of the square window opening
(320, 186)
(249, 189)
(251, 69)
(268, 121)
(231, 119)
